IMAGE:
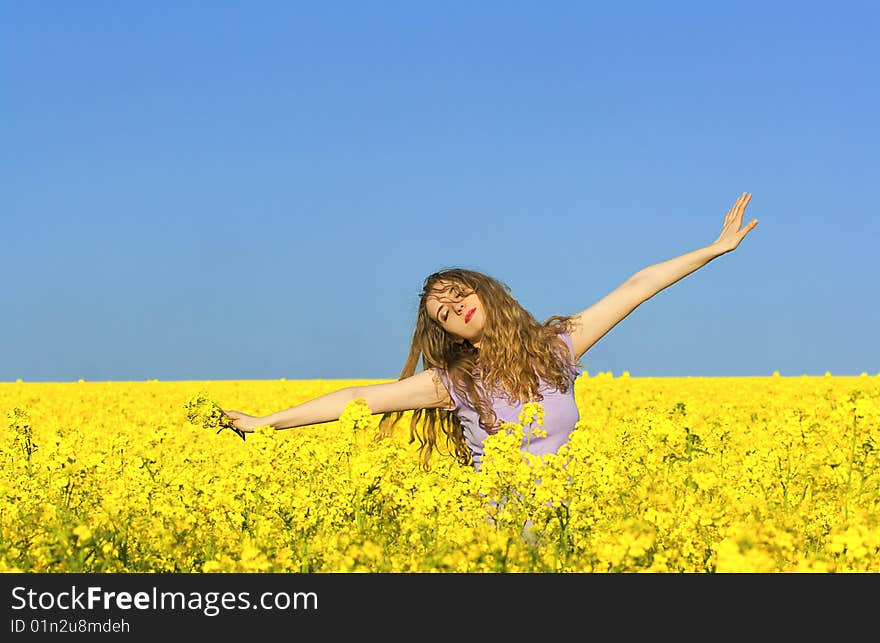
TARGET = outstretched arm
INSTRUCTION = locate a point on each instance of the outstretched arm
(422, 390)
(594, 322)
(655, 278)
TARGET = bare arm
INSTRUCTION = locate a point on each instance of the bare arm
(420, 391)
(660, 276)
(593, 323)
(653, 279)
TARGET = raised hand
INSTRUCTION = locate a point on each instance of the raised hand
(733, 232)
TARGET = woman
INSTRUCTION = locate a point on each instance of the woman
(484, 356)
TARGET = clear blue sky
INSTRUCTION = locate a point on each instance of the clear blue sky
(257, 190)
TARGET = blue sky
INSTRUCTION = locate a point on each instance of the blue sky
(257, 190)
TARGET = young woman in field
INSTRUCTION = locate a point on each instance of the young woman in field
(483, 356)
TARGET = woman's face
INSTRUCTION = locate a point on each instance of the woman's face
(458, 311)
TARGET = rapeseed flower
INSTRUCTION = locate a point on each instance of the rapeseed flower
(660, 475)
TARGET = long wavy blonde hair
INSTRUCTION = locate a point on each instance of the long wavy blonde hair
(517, 356)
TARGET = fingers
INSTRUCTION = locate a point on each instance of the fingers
(751, 226)
(738, 207)
(736, 212)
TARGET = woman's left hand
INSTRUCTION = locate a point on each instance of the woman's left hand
(733, 233)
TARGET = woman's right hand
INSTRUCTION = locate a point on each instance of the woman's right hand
(244, 422)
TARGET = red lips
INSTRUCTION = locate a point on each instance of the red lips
(470, 314)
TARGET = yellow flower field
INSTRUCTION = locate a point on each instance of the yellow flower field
(762, 474)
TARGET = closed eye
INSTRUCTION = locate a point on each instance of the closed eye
(457, 293)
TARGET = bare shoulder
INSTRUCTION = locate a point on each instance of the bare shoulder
(424, 390)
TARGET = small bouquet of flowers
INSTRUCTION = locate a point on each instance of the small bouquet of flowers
(203, 412)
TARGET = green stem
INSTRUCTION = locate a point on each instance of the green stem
(852, 457)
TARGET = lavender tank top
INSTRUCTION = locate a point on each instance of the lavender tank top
(560, 415)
